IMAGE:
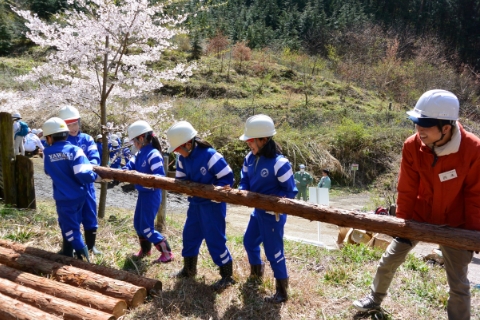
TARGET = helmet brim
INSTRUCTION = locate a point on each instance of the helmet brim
(424, 122)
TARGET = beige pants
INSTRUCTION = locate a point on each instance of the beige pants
(456, 266)
(19, 149)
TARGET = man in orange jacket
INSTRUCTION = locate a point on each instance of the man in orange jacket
(438, 184)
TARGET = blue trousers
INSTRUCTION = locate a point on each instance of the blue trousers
(206, 221)
(69, 219)
(89, 210)
(145, 214)
(263, 228)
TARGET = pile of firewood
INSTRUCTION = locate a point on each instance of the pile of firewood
(68, 288)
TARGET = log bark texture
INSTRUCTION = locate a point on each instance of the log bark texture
(16, 310)
(152, 285)
(51, 304)
(132, 294)
(395, 227)
(87, 298)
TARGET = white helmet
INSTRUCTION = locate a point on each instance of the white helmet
(119, 134)
(114, 143)
(34, 131)
(436, 104)
(180, 133)
(113, 137)
(39, 131)
(69, 113)
(126, 141)
(16, 115)
(138, 128)
(258, 126)
(54, 125)
(99, 136)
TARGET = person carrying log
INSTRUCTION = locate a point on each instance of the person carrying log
(71, 116)
(438, 184)
(71, 173)
(265, 170)
(198, 161)
(148, 160)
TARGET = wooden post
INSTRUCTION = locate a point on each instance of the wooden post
(162, 211)
(25, 183)
(448, 236)
(7, 159)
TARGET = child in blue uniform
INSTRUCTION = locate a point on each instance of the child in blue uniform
(115, 155)
(265, 170)
(148, 160)
(99, 144)
(199, 162)
(71, 116)
(71, 173)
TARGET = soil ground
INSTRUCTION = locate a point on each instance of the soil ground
(237, 216)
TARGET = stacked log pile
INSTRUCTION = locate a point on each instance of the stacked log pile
(73, 289)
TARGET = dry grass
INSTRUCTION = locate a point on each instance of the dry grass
(323, 283)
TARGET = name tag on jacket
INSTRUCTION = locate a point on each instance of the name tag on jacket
(448, 175)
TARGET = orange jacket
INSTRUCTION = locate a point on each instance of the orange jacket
(424, 198)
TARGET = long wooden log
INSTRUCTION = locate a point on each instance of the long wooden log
(81, 296)
(152, 285)
(132, 294)
(12, 309)
(452, 237)
(51, 304)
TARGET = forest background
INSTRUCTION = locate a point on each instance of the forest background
(336, 76)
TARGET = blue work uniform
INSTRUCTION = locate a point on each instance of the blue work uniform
(126, 153)
(89, 211)
(100, 150)
(149, 161)
(71, 173)
(115, 158)
(270, 176)
(205, 219)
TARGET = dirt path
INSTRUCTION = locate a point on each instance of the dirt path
(238, 216)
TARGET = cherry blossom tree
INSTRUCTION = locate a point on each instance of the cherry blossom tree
(103, 51)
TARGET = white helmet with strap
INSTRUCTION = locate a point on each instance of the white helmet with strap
(436, 104)
(180, 133)
(54, 125)
(138, 128)
(99, 136)
(69, 113)
(258, 126)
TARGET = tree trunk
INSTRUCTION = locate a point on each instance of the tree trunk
(147, 283)
(15, 310)
(51, 304)
(7, 160)
(87, 298)
(133, 295)
(452, 237)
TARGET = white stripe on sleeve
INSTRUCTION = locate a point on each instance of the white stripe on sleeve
(156, 166)
(279, 164)
(217, 156)
(179, 174)
(224, 172)
(83, 167)
(286, 176)
(79, 153)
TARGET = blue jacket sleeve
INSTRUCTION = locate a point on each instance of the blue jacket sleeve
(130, 165)
(285, 178)
(92, 152)
(82, 168)
(180, 171)
(220, 169)
(155, 161)
(244, 180)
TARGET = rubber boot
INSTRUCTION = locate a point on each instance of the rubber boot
(83, 253)
(145, 248)
(189, 269)
(90, 237)
(256, 273)
(226, 272)
(281, 294)
(164, 248)
(67, 249)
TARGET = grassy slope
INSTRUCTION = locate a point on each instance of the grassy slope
(323, 283)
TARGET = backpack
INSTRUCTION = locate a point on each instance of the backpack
(23, 129)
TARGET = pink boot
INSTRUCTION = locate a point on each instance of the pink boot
(166, 255)
(146, 248)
